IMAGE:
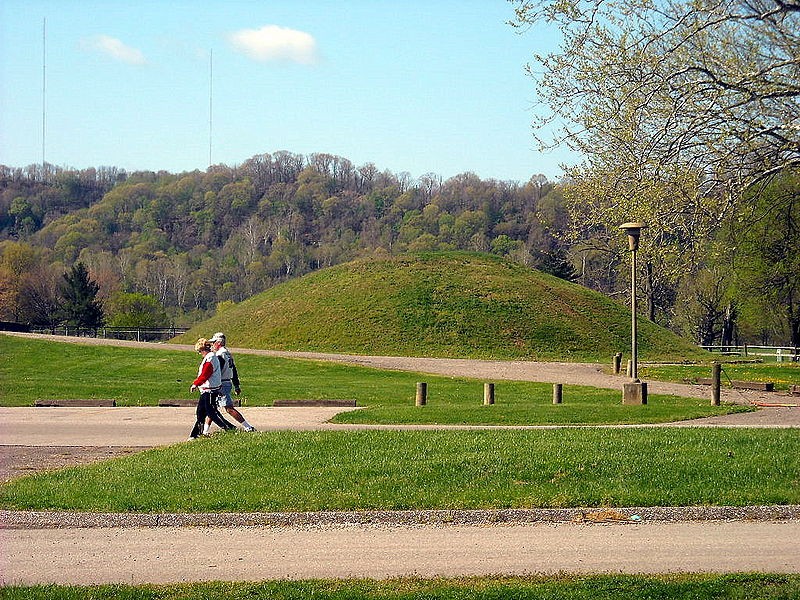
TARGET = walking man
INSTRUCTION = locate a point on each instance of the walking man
(230, 379)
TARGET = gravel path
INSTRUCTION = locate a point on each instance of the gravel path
(398, 518)
(181, 554)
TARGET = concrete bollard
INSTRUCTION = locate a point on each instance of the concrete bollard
(634, 392)
(488, 393)
(629, 369)
(422, 394)
(617, 363)
(716, 372)
(558, 395)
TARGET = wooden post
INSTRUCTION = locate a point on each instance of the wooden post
(422, 394)
(617, 363)
(557, 393)
(629, 370)
(488, 393)
(716, 371)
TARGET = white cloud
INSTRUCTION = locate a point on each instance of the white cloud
(114, 48)
(274, 43)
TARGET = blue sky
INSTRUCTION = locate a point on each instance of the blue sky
(409, 85)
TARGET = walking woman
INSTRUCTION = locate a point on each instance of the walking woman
(209, 380)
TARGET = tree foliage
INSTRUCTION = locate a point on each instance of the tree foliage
(135, 310)
(40, 298)
(195, 240)
(708, 87)
(766, 260)
(683, 111)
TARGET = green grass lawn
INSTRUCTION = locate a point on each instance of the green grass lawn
(782, 375)
(53, 370)
(530, 403)
(563, 587)
(454, 469)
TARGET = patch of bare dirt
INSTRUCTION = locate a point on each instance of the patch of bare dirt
(16, 461)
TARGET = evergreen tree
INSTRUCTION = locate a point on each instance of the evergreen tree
(79, 304)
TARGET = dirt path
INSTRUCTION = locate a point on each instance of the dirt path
(179, 554)
(17, 461)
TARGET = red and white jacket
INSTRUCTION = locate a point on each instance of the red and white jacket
(209, 375)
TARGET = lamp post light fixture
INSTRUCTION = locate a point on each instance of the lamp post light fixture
(636, 391)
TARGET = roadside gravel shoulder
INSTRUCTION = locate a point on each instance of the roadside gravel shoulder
(410, 518)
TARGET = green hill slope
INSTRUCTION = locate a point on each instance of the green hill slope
(440, 305)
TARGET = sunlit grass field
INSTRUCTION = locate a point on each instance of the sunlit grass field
(44, 369)
(453, 469)
(562, 587)
(783, 374)
(397, 470)
(445, 304)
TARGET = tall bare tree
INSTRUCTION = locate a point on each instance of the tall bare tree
(706, 86)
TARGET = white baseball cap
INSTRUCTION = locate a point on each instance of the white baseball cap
(218, 337)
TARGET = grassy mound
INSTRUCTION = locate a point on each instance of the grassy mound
(440, 305)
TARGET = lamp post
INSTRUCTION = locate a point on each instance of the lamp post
(636, 391)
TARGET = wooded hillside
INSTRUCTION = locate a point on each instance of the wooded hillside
(194, 240)
(174, 249)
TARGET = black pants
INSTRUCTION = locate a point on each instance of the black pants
(207, 407)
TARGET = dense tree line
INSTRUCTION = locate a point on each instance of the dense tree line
(196, 241)
(167, 248)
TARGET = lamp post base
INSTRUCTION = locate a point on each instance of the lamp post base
(634, 392)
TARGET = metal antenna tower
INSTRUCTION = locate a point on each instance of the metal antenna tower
(210, 99)
(44, 95)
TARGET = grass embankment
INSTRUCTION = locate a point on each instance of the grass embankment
(54, 370)
(564, 587)
(398, 470)
(782, 375)
(441, 304)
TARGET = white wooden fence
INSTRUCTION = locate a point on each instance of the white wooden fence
(778, 353)
(139, 334)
